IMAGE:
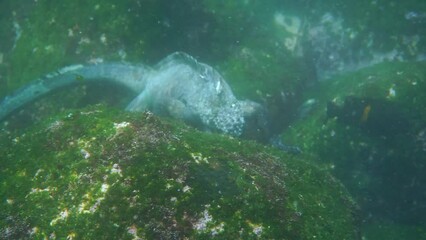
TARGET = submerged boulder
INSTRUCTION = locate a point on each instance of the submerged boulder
(369, 128)
(99, 173)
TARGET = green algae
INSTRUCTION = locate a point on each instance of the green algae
(252, 65)
(377, 167)
(55, 36)
(97, 172)
(398, 83)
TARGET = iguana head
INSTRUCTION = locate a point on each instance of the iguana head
(256, 124)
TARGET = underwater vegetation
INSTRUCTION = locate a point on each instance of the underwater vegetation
(381, 118)
(97, 173)
(368, 129)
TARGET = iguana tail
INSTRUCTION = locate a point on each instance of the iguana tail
(130, 76)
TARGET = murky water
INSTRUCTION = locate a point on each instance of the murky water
(344, 81)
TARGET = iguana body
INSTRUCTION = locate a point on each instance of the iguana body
(178, 86)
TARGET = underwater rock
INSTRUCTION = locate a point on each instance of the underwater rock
(382, 118)
(371, 136)
(98, 173)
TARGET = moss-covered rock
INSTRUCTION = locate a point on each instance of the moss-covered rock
(99, 173)
(372, 134)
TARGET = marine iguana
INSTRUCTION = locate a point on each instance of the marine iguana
(178, 86)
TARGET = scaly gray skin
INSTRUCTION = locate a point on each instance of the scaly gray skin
(183, 88)
(130, 76)
(178, 86)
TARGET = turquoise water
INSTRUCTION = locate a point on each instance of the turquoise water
(344, 81)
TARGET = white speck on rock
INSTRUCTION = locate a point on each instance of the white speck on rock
(85, 153)
(186, 188)
(201, 224)
(104, 188)
(256, 228)
(103, 39)
(116, 169)
(198, 158)
(121, 125)
(62, 216)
